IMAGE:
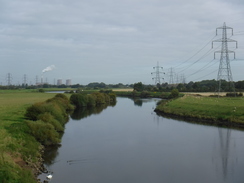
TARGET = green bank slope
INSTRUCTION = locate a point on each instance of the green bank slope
(19, 151)
(222, 111)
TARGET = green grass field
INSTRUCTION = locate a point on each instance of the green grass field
(15, 144)
(224, 108)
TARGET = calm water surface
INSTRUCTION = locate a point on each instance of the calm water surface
(129, 143)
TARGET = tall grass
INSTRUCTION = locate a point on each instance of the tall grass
(216, 109)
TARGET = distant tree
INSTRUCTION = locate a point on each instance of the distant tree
(138, 87)
(180, 87)
(174, 93)
(239, 85)
(45, 85)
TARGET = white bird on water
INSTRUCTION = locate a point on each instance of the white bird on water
(49, 176)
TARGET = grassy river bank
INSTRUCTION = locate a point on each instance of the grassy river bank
(224, 111)
(19, 151)
(30, 121)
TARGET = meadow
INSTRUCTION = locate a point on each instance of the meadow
(226, 109)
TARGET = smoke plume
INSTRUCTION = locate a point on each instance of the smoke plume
(49, 68)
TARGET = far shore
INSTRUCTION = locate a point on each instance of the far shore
(204, 93)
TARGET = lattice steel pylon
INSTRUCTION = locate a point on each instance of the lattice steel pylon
(9, 79)
(224, 72)
(157, 73)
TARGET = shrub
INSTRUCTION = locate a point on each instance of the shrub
(33, 111)
(52, 115)
(174, 93)
(99, 98)
(234, 94)
(63, 101)
(41, 90)
(79, 100)
(91, 101)
(112, 97)
(48, 118)
(44, 132)
(145, 94)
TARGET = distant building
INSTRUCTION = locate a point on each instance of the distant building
(68, 82)
(59, 82)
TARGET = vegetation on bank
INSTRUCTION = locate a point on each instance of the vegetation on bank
(27, 123)
(226, 109)
(81, 100)
(146, 94)
(46, 119)
(19, 151)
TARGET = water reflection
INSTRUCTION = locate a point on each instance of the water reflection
(139, 101)
(224, 147)
(84, 112)
(50, 154)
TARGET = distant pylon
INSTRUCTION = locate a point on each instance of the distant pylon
(9, 79)
(25, 79)
(37, 80)
(171, 76)
(157, 73)
(224, 72)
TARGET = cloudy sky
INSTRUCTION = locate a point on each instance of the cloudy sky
(117, 41)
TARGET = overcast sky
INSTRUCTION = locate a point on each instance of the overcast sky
(117, 41)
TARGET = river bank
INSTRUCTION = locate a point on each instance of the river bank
(20, 153)
(30, 121)
(222, 111)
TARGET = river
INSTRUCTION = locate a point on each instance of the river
(129, 143)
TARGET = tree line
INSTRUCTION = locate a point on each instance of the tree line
(198, 86)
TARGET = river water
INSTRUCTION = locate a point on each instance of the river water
(129, 143)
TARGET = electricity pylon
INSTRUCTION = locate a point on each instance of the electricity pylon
(9, 79)
(157, 72)
(171, 76)
(224, 72)
(25, 79)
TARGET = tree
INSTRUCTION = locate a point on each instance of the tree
(138, 87)
(174, 93)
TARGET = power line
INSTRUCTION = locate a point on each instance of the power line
(196, 52)
(206, 75)
(203, 68)
(206, 54)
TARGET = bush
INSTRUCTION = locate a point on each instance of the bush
(99, 98)
(48, 118)
(83, 100)
(33, 111)
(174, 93)
(52, 115)
(234, 94)
(112, 97)
(145, 94)
(79, 100)
(44, 132)
(41, 90)
(91, 101)
(63, 101)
